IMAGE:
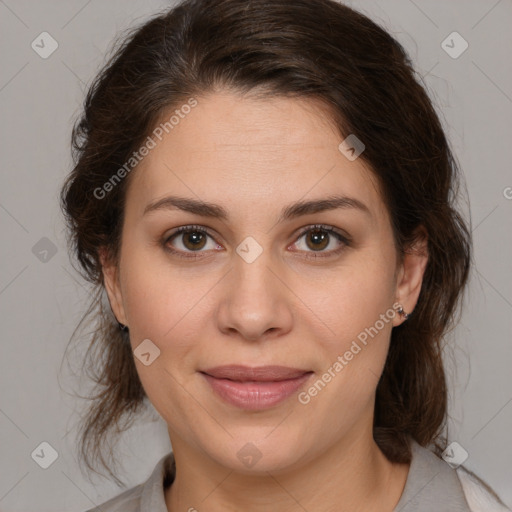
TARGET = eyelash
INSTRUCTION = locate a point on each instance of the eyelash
(346, 242)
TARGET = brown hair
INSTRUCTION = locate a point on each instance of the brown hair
(316, 49)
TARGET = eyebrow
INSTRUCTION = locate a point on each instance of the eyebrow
(294, 210)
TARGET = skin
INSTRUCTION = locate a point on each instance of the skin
(253, 157)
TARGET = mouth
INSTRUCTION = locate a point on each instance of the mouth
(255, 388)
(242, 373)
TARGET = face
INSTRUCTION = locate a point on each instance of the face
(309, 288)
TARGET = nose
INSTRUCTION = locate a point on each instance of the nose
(255, 302)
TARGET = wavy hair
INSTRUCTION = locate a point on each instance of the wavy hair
(317, 49)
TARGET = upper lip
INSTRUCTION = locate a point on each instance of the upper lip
(260, 373)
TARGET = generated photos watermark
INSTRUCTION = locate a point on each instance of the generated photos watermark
(149, 144)
(304, 397)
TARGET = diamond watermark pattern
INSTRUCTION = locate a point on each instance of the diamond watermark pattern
(455, 455)
(454, 45)
(249, 455)
(44, 250)
(249, 249)
(44, 45)
(352, 147)
(45, 455)
(146, 352)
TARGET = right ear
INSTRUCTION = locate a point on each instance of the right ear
(110, 272)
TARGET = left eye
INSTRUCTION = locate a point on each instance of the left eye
(316, 238)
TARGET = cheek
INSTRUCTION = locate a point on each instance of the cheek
(155, 294)
(349, 299)
(354, 306)
(168, 304)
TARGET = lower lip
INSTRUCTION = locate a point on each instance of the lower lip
(255, 395)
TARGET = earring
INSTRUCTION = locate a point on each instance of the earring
(123, 327)
(403, 313)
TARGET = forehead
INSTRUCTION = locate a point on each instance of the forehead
(249, 154)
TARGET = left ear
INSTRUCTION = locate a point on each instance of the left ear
(410, 273)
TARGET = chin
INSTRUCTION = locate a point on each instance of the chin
(258, 453)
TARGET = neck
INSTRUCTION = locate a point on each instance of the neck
(354, 475)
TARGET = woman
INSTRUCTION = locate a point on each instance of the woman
(264, 194)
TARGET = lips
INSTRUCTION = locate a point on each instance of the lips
(255, 374)
(255, 388)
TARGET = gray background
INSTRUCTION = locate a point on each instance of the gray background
(42, 301)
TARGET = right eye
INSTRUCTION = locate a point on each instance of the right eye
(192, 239)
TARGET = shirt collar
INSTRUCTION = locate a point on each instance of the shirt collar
(431, 485)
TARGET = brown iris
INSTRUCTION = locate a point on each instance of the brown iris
(196, 239)
(319, 238)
